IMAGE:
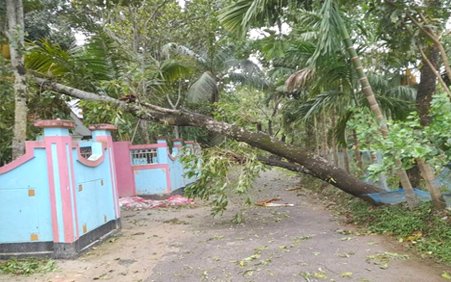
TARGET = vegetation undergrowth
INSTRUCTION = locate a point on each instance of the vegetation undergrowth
(27, 266)
(425, 230)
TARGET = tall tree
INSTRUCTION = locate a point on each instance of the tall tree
(331, 24)
(421, 24)
(371, 98)
(15, 35)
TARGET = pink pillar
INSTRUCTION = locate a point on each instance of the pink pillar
(125, 177)
(58, 145)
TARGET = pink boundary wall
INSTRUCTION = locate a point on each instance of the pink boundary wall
(126, 171)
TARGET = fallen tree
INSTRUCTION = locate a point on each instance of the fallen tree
(308, 162)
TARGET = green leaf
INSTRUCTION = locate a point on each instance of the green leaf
(446, 275)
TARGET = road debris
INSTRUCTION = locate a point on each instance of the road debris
(270, 203)
(139, 203)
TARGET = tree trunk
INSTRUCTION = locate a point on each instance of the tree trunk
(346, 159)
(144, 124)
(358, 157)
(177, 132)
(270, 131)
(290, 166)
(426, 89)
(318, 166)
(309, 139)
(16, 43)
(259, 126)
(414, 175)
(428, 175)
(324, 141)
(334, 141)
(316, 130)
(411, 198)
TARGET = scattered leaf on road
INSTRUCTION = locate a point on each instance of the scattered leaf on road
(446, 275)
(382, 259)
(346, 274)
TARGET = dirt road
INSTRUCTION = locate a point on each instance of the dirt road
(300, 243)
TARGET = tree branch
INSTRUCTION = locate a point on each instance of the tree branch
(436, 41)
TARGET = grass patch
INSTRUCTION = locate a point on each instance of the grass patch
(424, 229)
(27, 266)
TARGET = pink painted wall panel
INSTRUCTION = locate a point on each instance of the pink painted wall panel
(124, 173)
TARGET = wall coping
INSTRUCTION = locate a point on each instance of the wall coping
(148, 146)
(54, 123)
(29, 154)
(102, 126)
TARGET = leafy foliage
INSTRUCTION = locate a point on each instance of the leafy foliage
(217, 179)
(27, 266)
(407, 139)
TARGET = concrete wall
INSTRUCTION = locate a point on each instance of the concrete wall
(55, 202)
(25, 212)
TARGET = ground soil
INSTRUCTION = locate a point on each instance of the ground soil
(305, 242)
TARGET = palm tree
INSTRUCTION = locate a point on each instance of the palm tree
(331, 25)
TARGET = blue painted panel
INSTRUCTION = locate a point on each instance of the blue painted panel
(95, 202)
(150, 181)
(18, 221)
(162, 155)
(21, 215)
(179, 170)
(56, 131)
(89, 213)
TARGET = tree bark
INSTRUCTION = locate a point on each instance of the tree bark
(428, 175)
(333, 140)
(427, 85)
(290, 166)
(317, 165)
(16, 43)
